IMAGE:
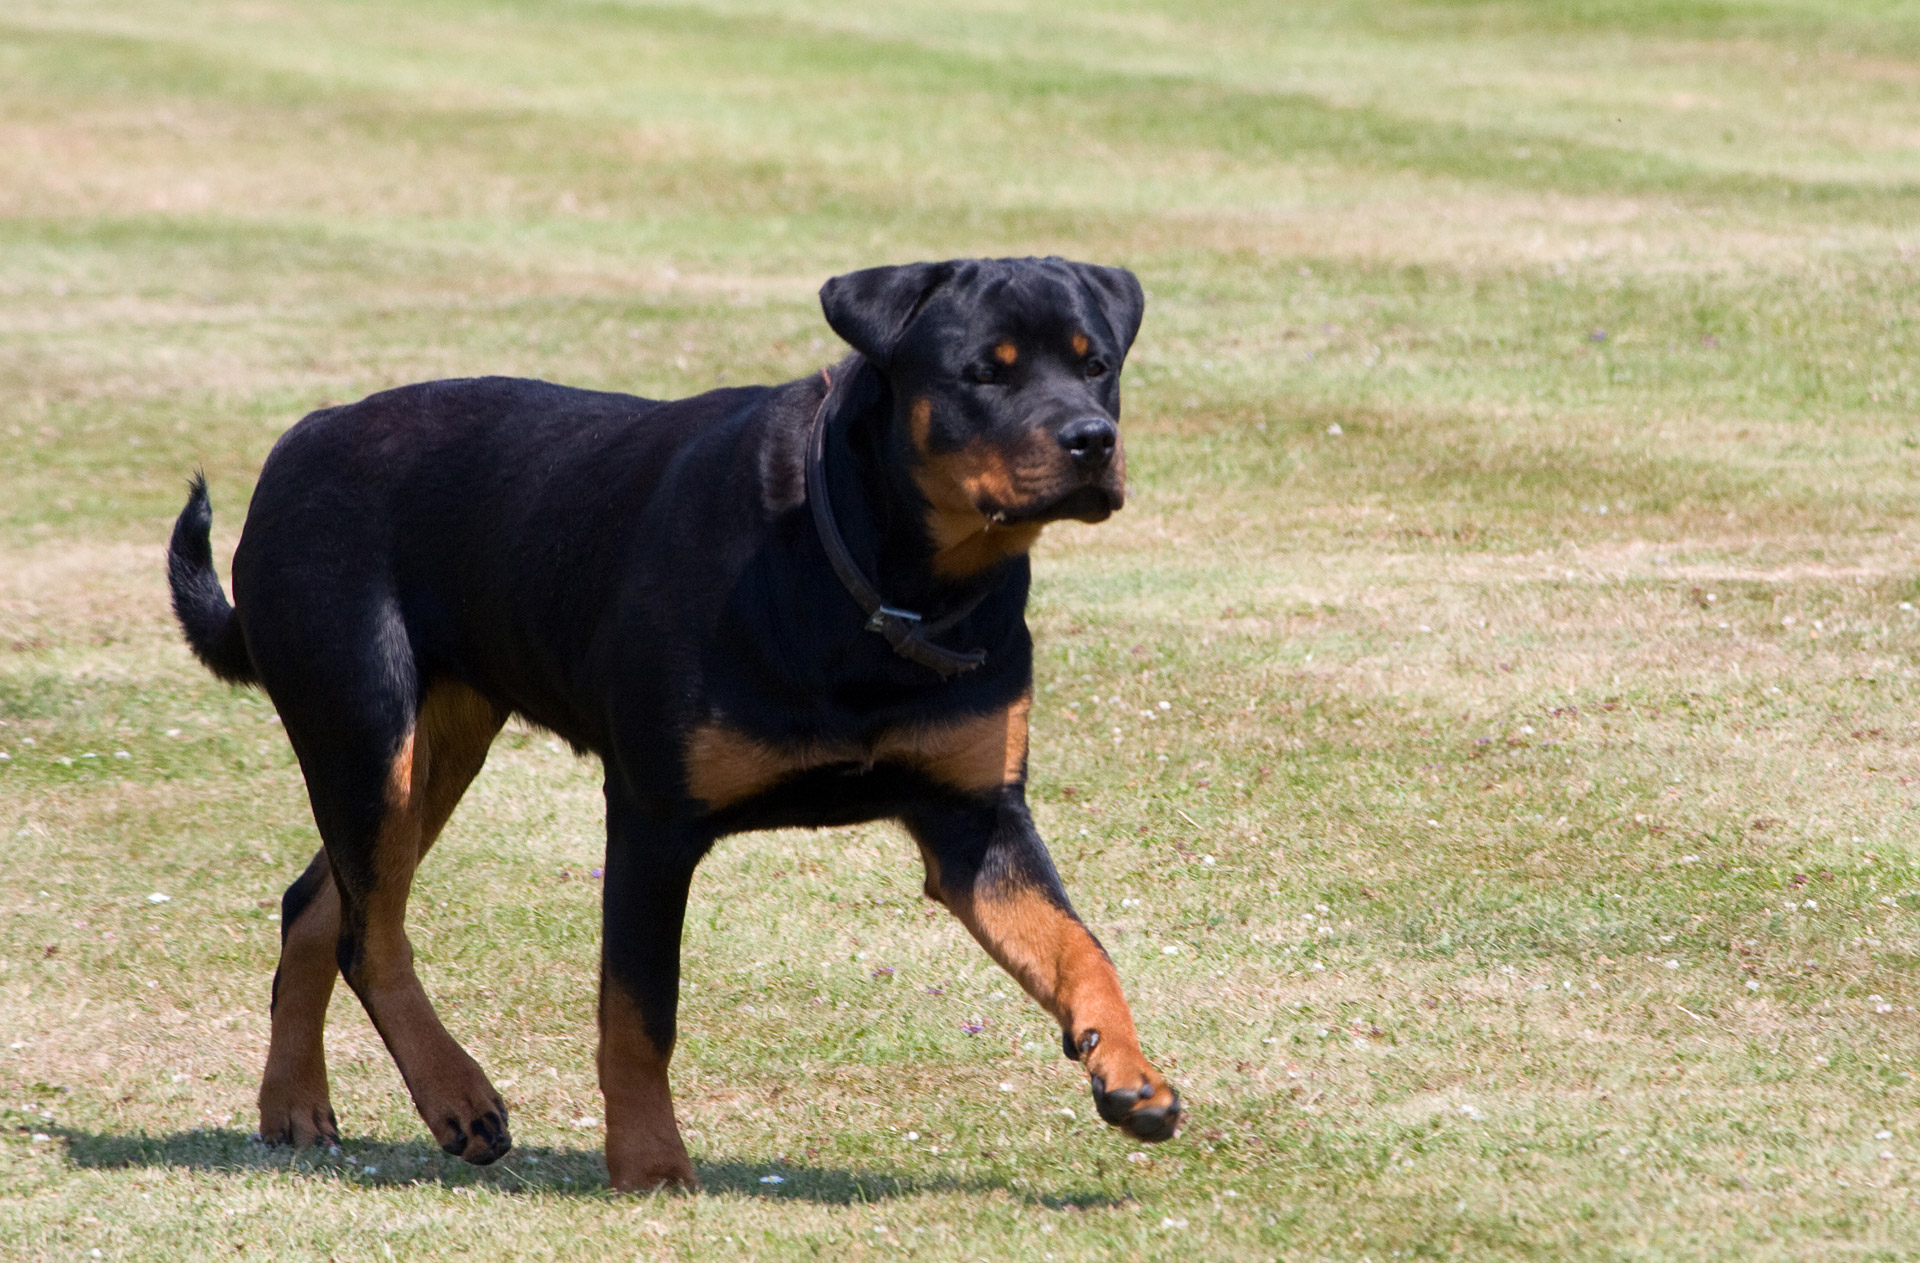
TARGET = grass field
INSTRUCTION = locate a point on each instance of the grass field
(1525, 542)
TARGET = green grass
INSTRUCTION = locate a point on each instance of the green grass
(1505, 878)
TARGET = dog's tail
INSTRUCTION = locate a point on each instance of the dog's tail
(212, 630)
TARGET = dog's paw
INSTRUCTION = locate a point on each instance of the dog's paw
(480, 1137)
(1127, 1091)
(1148, 1111)
(302, 1129)
(669, 1172)
(302, 1119)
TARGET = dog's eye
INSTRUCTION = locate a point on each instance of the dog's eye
(983, 373)
(1096, 367)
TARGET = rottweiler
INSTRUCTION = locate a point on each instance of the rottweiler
(761, 607)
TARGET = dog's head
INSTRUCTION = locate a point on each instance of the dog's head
(1006, 385)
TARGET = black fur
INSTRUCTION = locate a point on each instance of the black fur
(205, 617)
(623, 570)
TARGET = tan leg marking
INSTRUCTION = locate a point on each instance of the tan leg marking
(433, 767)
(295, 1107)
(1051, 954)
(644, 1149)
(982, 752)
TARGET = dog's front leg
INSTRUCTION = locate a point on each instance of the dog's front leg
(987, 864)
(644, 906)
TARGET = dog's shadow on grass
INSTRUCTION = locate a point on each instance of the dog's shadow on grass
(527, 1170)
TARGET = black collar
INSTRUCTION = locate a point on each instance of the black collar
(905, 630)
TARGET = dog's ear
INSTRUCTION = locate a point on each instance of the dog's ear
(1117, 293)
(872, 308)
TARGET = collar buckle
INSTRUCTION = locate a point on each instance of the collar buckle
(880, 618)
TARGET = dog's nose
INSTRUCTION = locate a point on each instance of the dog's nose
(1090, 441)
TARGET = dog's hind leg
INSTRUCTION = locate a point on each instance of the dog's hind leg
(295, 1107)
(384, 767)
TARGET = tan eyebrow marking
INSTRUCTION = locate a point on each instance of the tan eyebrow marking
(1006, 352)
(1080, 344)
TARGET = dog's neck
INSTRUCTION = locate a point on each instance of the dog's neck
(883, 512)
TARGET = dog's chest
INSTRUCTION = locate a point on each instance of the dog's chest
(726, 766)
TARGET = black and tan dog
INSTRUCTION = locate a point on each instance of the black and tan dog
(760, 607)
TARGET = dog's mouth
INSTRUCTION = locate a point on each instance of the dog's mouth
(1089, 502)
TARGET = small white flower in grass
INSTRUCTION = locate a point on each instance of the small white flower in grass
(913, 1135)
(1673, 964)
(369, 1170)
(121, 754)
(1169, 1221)
(1166, 705)
(1689, 859)
(1752, 985)
(157, 897)
(586, 1122)
(1170, 951)
(1434, 823)
(1137, 1156)
(1206, 859)
(773, 1179)
(1883, 1134)
(1906, 605)
(39, 1136)
(1066, 1113)
(1006, 1087)
(1425, 628)
(1335, 431)
(1811, 903)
